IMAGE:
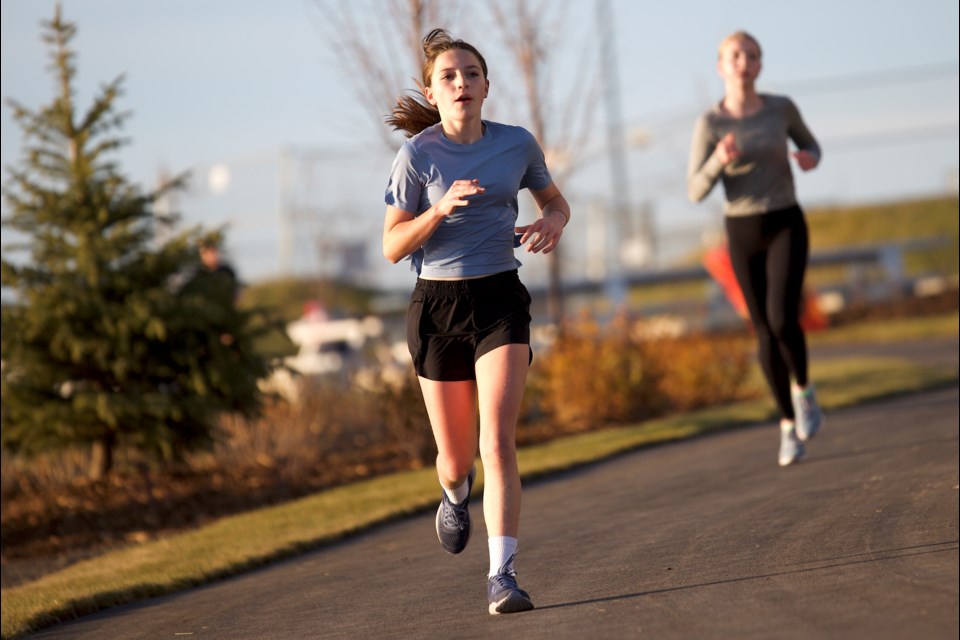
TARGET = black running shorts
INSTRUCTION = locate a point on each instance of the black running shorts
(451, 323)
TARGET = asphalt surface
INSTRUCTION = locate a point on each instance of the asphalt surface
(700, 539)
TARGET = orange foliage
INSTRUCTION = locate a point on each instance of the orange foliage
(595, 376)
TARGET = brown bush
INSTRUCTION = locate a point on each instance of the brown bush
(406, 426)
(595, 376)
(332, 420)
(592, 376)
(697, 370)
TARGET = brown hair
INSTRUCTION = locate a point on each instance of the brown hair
(739, 35)
(412, 113)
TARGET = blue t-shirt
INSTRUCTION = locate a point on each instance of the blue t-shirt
(476, 239)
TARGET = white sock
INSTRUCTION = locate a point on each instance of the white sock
(459, 494)
(503, 549)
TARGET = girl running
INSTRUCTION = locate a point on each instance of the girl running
(452, 208)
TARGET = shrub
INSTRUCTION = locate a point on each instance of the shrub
(698, 370)
(594, 376)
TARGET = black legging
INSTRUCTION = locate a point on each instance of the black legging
(769, 253)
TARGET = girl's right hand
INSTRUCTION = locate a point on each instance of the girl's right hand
(727, 149)
(456, 196)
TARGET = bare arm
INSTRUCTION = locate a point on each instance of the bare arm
(554, 215)
(405, 232)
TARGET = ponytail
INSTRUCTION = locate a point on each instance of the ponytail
(412, 114)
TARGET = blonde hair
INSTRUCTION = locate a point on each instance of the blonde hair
(412, 113)
(739, 35)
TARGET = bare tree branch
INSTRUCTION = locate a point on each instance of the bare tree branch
(379, 46)
(526, 28)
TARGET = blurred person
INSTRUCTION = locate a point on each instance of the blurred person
(216, 280)
(213, 265)
(742, 141)
(452, 208)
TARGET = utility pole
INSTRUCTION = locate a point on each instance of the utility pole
(285, 211)
(616, 149)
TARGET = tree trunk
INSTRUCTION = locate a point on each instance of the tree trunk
(101, 459)
(554, 289)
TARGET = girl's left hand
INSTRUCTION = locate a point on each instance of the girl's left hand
(805, 160)
(544, 234)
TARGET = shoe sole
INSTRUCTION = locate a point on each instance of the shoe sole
(786, 462)
(513, 603)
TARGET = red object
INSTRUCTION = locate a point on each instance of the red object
(717, 263)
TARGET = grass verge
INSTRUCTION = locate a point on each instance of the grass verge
(261, 536)
(890, 331)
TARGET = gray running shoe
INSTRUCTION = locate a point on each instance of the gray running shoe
(809, 418)
(791, 449)
(505, 596)
(453, 520)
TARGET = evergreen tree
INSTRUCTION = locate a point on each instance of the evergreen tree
(100, 349)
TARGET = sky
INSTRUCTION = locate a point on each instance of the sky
(249, 97)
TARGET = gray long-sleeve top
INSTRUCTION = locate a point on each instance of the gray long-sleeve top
(760, 180)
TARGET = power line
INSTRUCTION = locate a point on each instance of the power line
(870, 79)
(840, 83)
(903, 135)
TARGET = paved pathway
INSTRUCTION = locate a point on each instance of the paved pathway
(700, 539)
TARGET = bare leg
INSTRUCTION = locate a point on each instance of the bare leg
(452, 408)
(501, 378)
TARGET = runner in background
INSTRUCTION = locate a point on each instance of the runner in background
(742, 141)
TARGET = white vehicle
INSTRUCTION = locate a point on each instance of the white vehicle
(326, 344)
(325, 348)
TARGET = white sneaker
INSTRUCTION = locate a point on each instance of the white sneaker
(809, 417)
(791, 448)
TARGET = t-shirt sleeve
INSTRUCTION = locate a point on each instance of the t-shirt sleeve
(537, 176)
(405, 184)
